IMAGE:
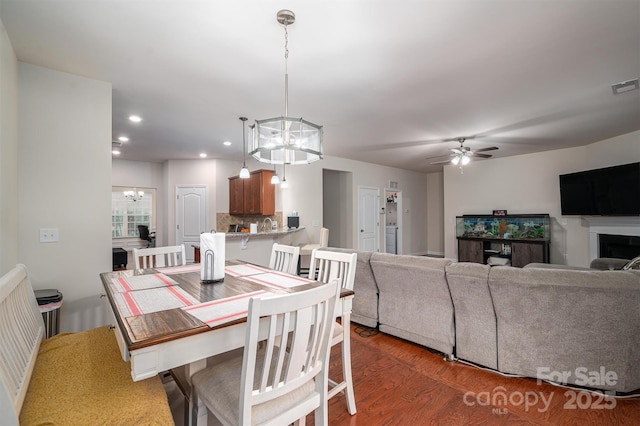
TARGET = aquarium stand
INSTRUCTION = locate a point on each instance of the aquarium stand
(515, 240)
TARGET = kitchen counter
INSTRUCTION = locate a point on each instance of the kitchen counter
(232, 235)
(256, 248)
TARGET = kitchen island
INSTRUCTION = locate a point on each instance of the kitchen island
(256, 247)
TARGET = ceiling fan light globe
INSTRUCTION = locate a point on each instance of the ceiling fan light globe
(465, 160)
(455, 160)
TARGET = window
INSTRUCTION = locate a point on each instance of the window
(127, 214)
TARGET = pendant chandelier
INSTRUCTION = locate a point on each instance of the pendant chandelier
(286, 140)
(134, 195)
(244, 172)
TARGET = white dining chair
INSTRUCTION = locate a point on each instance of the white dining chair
(305, 250)
(267, 383)
(326, 266)
(284, 258)
(158, 257)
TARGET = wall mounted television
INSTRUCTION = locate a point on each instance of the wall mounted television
(611, 191)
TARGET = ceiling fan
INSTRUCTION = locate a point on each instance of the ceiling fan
(462, 155)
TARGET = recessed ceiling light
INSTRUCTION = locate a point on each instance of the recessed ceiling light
(226, 143)
(203, 155)
(135, 118)
(624, 86)
(115, 152)
(123, 139)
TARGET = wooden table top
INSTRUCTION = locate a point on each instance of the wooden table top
(144, 330)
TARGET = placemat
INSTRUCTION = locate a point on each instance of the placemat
(225, 310)
(141, 282)
(278, 280)
(141, 302)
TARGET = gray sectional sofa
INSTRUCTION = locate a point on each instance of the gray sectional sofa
(578, 327)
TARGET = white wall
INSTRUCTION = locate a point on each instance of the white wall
(8, 154)
(305, 196)
(64, 175)
(304, 193)
(435, 214)
(529, 184)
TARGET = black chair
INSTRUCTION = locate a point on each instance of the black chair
(143, 230)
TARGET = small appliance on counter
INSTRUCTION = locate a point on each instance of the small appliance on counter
(293, 222)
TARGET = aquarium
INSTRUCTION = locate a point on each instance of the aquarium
(509, 227)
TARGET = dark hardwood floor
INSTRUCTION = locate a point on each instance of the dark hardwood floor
(400, 383)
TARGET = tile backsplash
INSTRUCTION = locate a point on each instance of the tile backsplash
(223, 220)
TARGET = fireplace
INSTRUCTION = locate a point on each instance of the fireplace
(618, 246)
(621, 228)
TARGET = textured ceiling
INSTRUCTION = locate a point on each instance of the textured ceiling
(390, 82)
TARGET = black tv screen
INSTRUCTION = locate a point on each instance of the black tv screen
(611, 191)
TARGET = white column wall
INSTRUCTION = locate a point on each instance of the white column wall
(64, 175)
(8, 154)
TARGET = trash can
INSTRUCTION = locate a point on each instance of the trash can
(49, 302)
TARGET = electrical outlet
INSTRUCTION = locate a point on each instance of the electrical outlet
(49, 235)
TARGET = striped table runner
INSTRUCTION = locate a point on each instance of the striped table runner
(225, 310)
(245, 270)
(275, 279)
(182, 269)
(140, 282)
(139, 302)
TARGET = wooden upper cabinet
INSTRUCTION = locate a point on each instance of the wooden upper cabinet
(255, 195)
(236, 195)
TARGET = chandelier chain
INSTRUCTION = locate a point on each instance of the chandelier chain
(286, 47)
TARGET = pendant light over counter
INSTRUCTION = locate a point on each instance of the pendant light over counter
(244, 172)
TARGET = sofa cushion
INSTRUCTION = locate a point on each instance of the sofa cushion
(564, 320)
(474, 314)
(415, 303)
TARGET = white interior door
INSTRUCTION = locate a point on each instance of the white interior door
(191, 216)
(368, 218)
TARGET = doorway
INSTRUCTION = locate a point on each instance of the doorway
(368, 218)
(191, 217)
(393, 221)
(337, 207)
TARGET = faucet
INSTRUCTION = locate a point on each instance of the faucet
(264, 225)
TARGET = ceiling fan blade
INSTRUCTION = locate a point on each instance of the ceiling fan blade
(457, 150)
(441, 162)
(437, 156)
(475, 154)
(491, 148)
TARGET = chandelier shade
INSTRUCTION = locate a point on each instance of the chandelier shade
(286, 140)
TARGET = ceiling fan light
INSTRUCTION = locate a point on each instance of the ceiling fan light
(465, 160)
(455, 160)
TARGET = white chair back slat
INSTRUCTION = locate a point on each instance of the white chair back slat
(21, 331)
(159, 257)
(328, 265)
(300, 321)
(284, 258)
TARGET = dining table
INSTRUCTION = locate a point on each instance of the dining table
(166, 318)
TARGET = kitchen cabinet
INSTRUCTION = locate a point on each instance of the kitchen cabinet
(255, 195)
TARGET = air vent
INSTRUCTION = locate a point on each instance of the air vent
(393, 184)
(625, 86)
